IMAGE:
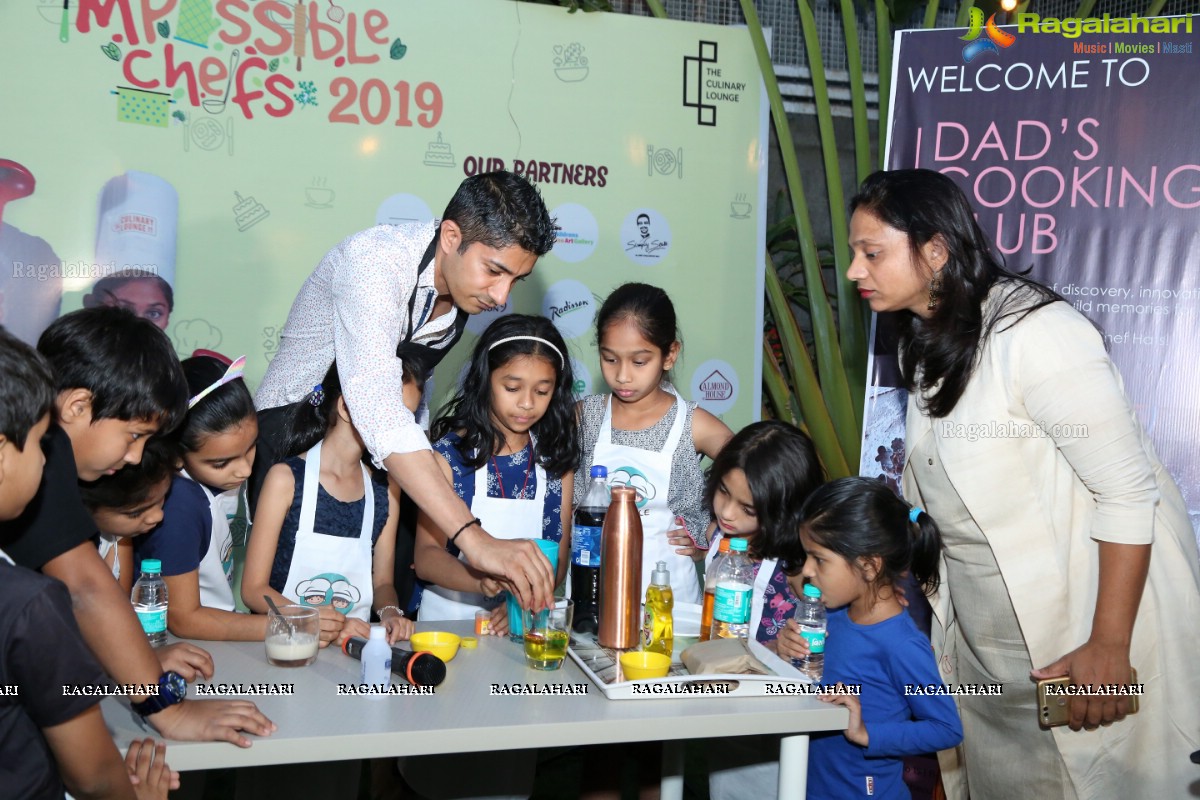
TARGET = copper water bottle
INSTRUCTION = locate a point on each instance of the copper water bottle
(621, 572)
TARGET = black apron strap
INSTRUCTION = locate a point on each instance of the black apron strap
(420, 357)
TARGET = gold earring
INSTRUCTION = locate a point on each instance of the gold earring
(935, 291)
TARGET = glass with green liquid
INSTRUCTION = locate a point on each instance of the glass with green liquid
(547, 634)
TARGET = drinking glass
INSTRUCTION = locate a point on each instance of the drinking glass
(547, 634)
(293, 636)
(516, 628)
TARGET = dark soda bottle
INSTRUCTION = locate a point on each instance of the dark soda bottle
(585, 553)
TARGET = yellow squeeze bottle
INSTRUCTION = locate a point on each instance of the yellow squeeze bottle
(658, 622)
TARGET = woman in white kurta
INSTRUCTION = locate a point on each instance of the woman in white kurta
(1068, 546)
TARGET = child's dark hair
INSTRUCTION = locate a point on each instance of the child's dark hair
(130, 487)
(782, 470)
(221, 409)
(311, 417)
(863, 518)
(470, 410)
(26, 389)
(127, 363)
(648, 307)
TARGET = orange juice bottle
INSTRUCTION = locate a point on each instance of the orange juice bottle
(710, 588)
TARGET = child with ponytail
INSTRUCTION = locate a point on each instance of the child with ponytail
(325, 527)
(856, 540)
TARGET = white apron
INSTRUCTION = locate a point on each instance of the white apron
(216, 567)
(765, 570)
(503, 518)
(108, 544)
(650, 474)
(331, 570)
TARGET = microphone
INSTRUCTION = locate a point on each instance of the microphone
(419, 669)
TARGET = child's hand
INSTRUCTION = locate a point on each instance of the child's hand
(677, 536)
(148, 770)
(856, 732)
(398, 628)
(790, 643)
(498, 624)
(354, 627)
(489, 587)
(331, 625)
(186, 659)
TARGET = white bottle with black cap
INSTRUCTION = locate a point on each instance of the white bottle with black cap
(377, 660)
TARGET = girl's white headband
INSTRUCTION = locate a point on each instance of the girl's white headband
(546, 342)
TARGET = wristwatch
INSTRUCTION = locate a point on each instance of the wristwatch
(172, 689)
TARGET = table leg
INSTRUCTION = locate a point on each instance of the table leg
(793, 767)
(671, 787)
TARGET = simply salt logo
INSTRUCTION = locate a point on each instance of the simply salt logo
(994, 40)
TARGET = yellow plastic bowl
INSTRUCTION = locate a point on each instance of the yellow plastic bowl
(441, 644)
(640, 665)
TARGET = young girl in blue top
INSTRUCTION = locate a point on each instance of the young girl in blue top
(508, 440)
(325, 528)
(859, 538)
(756, 487)
(194, 541)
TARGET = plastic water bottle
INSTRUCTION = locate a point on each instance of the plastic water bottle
(585, 552)
(810, 616)
(377, 659)
(149, 598)
(731, 600)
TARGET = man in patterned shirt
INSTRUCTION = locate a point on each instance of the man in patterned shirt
(401, 293)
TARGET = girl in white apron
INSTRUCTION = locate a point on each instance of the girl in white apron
(325, 527)
(194, 541)
(509, 448)
(129, 503)
(647, 436)
(756, 488)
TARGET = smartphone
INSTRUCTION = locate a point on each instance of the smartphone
(1055, 709)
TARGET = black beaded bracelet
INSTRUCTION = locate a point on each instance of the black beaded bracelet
(458, 533)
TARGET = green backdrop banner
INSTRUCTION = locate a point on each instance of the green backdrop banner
(221, 147)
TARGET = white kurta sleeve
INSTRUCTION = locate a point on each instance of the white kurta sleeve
(1073, 393)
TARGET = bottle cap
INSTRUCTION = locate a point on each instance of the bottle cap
(599, 471)
(151, 565)
(661, 576)
(723, 547)
(811, 591)
(469, 642)
(378, 632)
(739, 545)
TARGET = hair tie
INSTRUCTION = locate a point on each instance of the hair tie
(915, 512)
(562, 361)
(316, 396)
(232, 374)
